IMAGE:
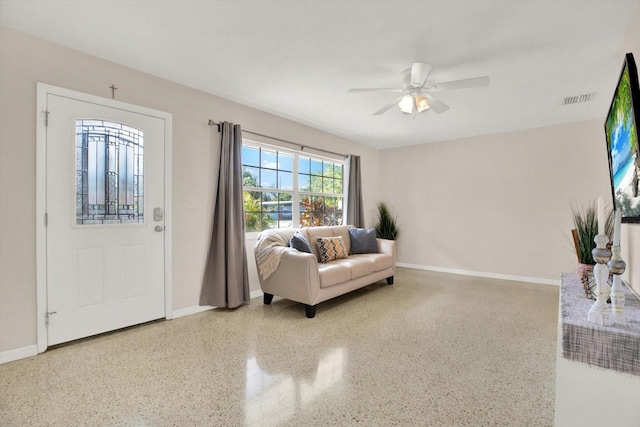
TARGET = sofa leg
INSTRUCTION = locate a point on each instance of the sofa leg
(390, 280)
(267, 298)
(310, 310)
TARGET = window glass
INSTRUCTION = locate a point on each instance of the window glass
(250, 156)
(285, 180)
(285, 162)
(276, 180)
(268, 178)
(250, 176)
(304, 165)
(316, 167)
(304, 184)
(268, 159)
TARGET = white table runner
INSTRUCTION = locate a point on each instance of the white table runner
(614, 347)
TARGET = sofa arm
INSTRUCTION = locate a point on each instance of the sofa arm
(388, 247)
(296, 278)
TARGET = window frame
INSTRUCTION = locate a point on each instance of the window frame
(296, 193)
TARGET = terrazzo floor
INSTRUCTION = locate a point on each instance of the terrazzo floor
(432, 350)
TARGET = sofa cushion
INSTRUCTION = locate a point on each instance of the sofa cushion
(330, 248)
(300, 243)
(351, 268)
(363, 241)
(377, 261)
(361, 266)
(335, 272)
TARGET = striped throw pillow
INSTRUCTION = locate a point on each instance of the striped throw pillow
(330, 248)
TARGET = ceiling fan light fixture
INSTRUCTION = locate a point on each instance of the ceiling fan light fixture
(415, 95)
(422, 103)
(406, 104)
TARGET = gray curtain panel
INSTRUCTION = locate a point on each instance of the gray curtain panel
(226, 280)
(355, 211)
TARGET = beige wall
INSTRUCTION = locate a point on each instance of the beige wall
(497, 204)
(501, 204)
(25, 60)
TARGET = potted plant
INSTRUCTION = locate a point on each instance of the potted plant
(387, 227)
(585, 221)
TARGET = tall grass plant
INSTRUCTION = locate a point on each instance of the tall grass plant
(585, 221)
(387, 227)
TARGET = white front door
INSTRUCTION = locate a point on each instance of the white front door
(105, 209)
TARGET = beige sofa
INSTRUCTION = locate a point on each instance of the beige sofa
(300, 276)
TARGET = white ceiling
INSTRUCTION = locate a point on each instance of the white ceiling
(297, 59)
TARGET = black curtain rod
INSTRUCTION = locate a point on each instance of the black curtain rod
(302, 147)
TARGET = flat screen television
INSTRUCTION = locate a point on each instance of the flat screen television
(621, 129)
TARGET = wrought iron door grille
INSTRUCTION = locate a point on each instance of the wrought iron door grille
(109, 173)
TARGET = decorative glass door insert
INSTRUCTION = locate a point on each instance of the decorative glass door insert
(109, 173)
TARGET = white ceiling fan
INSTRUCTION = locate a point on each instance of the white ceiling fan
(416, 96)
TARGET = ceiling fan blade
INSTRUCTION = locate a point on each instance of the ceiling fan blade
(419, 73)
(388, 106)
(459, 84)
(379, 89)
(436, 105)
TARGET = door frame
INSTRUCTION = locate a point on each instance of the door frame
(43, 90)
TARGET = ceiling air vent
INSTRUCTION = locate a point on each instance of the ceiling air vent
(578, 99)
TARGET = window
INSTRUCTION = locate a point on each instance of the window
(284, 188)
(109, 173)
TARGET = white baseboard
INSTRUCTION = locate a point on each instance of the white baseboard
(200, 308)
(32, 350)
(191, 310)
(481, 274)
(18, 353)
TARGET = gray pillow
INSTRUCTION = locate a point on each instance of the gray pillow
(363, 241)
(298, 242)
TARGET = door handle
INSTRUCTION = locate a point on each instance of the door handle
(158, 214)
(159, 228)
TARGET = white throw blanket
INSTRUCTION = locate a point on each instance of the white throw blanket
(269, 249)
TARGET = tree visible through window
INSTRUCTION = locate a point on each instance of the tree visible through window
(285, 188)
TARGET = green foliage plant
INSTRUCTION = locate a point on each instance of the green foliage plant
(253, 219)
(387, 227)
(316, 211)
(585, 221)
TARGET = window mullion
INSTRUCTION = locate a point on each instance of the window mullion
(308, 193)
(295, 200)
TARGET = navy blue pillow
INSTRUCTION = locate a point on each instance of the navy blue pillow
(298, 242)
(363, 241)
